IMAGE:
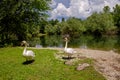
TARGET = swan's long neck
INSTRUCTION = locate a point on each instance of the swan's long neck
(66, 44)
(24, 51)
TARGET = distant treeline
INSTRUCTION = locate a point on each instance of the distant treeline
(98, 24)
(25, 19)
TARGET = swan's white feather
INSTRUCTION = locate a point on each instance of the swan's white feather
(69, 50)
(29, 54)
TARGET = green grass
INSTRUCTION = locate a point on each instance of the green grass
(45, 67)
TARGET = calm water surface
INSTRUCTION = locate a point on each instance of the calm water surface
(103, 43)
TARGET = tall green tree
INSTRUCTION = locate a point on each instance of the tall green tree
(106, 9)
(100, 23)
(20, 18)
(73, 26)
(116, 14)
(52, 27)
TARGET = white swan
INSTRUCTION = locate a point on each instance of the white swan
(28, 54)
(68, 51)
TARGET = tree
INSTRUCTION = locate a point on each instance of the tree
(54, 22)
(116, 15)
(18, 18)
(73, 26)
(106, 9)
(100, 23)
(49, 29)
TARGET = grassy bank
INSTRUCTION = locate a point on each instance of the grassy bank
(45, 67)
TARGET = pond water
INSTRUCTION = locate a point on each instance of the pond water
(84, 41)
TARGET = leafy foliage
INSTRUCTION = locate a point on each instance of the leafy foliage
(73, 27)
(24, 19)
(101, 23)
(116, 14)
(20, 19)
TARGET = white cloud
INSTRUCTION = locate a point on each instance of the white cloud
(81, 8)
(99, 4)
(59, 11)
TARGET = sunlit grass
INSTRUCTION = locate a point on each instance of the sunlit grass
(45, 67)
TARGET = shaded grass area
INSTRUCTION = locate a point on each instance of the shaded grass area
(45, 67)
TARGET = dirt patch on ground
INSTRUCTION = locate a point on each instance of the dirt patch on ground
(106, 62)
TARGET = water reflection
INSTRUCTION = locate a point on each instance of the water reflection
(106, 43)
(46, 41)
(84, 41)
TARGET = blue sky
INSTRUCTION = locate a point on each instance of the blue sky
(64, 2)
(79, 8)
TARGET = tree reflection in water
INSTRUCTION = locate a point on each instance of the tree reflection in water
(84, 41)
